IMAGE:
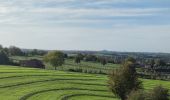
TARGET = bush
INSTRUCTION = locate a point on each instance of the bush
(158, 93)
(137, 95)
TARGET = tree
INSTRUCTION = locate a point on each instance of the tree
(15, 51)
(123, 80)
(77, 59)
(90, 58)
(65, 55)
(103, 61)
(151, 63)
(4, 58)
(159, 62)
(55, 58)
(158, 93)
(131, 59)
(35, 52)
(1, 47)
(6, 51)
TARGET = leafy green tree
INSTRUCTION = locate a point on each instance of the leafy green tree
(15, 51)
(123, 80)
(55, 58)
(152, 63)
(77, 59)
(103, 61)
(6, 51)
(4, 58)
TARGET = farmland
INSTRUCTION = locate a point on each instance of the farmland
(19, 83)
(70, 65)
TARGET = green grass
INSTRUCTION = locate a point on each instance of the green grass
(70, 65)
(86, 67)
(18, 83)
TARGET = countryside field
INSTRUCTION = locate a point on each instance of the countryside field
(19, 83)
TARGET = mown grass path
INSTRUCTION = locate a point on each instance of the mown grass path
(18, 83)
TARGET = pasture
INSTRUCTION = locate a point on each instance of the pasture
(70, 65)
(19, 83)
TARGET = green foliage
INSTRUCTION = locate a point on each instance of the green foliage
(90, 58)
(15, 51)
(123, 80)
(103, 61)
(78, 58)
(159, 62)
(3, 58)
(158, 93)
(130, 59)
(137, 95)
(55, 58)
(36, 52)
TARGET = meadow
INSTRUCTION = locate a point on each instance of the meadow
(19, 83)
(70, 65)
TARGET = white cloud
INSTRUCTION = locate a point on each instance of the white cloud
(40, 24)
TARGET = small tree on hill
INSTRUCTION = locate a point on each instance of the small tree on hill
(55, 58)
(123, 80)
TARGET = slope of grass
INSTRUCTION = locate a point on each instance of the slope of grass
(18, 83)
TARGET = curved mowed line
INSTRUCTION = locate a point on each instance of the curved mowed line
(25, 97)
(29, 83)
(76, 95)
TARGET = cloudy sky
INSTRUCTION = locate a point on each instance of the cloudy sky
(118, 25)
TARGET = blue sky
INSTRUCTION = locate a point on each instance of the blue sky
(117, 25)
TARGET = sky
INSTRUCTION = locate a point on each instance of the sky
(115, 25)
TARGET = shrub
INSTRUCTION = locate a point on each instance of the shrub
(137, 95)
(158, 93)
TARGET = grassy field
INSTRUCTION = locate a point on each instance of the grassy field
(18, 83)
(70, 65)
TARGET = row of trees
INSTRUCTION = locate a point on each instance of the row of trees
(12, 51)
(15, 51)
(79, 57)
